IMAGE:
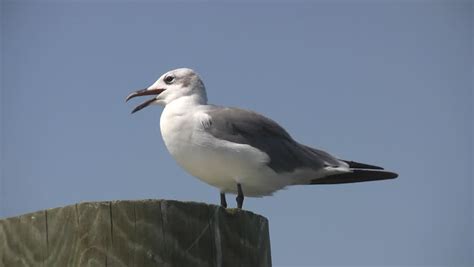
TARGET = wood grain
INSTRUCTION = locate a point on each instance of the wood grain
(136, 233)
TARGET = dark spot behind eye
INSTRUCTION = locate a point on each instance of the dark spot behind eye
(169, 79)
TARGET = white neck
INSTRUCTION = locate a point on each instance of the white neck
(184, 104)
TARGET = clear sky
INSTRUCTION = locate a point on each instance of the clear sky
(388, 84)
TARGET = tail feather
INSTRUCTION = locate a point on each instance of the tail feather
(356, 176)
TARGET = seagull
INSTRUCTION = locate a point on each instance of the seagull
(240, 151)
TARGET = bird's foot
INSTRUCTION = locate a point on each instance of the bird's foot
(240, 197)
(223, 201)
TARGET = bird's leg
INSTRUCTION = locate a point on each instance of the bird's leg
(240, 197)
(223, 201)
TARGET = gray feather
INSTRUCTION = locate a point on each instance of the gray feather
(247, 127)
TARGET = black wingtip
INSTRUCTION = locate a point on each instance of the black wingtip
(356, 176)
(358, 165)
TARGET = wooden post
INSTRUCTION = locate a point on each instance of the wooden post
(136, 233)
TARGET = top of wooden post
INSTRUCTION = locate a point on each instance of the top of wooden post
(136, 233)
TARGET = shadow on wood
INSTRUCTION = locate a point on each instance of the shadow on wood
(136, 233)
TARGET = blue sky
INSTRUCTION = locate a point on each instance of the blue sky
(388, 84)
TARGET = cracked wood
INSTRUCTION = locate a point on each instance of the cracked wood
(136, 233)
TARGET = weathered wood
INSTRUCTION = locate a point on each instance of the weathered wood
(136, 233)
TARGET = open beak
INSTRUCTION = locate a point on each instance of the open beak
(143, 92)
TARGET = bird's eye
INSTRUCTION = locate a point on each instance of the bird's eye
(169, 79)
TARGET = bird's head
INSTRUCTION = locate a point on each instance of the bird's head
(170, 86)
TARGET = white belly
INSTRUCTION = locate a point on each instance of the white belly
(217, 162)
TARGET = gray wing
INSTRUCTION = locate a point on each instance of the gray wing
(247, 127)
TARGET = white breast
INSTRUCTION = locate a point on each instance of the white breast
(217, 162)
